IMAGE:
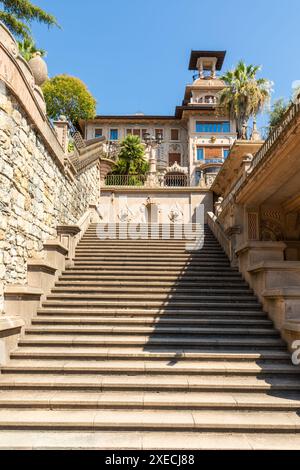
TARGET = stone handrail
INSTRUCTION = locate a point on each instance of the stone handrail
(291, 114)
(219, 233)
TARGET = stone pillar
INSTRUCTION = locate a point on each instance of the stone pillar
(67, 236)
(61, 128)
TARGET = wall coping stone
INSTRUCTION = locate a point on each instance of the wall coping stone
(275, 266)
(292, 326)
(40, 265)
(260, 245)
(68, 229)
(55, 245)
(282, 292)
(21, 291)
(10, 325)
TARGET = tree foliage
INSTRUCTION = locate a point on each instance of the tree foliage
(131, 158)
(244, 95)
(18, 15)
(278, 109)
(68, 96)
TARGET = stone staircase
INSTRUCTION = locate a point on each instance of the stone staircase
(142, 344)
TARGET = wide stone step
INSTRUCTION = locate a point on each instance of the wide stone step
(166, 307)
(65, 366)
(139, 440)
(147, 271)
(174, 296)
(151, 330)
(148, 245)
(60, 400)
(161, 285)
(137, 353)
(158, 383)
(206, 420)
(161, 341)
(149, 276)
(154, 292)
(150, 252)
(151, 313)
(145, 263)
(149, 260)
(178, 322)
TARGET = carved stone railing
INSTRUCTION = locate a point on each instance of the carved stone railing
(265, 151)
(220, 235)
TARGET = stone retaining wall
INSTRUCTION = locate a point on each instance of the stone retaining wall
(37, 189)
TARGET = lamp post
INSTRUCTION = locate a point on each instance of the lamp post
(152, 142)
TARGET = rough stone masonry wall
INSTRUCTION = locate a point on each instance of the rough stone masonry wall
(35, 193)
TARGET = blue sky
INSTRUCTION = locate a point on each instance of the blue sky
(133, 54)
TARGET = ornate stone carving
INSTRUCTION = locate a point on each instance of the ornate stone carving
(175, 168)
(253, 226)
(176, 214)
(271, 231)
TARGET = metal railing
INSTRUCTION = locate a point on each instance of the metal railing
(176, 181)
(125, 180)
(265, 150)
(213, 160)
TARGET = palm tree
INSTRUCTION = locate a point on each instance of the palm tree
(28, 49)
(17, 15)
(244, 95)
(131, 158)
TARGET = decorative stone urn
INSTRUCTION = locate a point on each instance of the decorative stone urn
(39, 69)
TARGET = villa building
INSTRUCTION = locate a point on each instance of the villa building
(195, 141)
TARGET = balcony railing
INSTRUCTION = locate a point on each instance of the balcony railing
(168, 181)
(125, 180)
(266, 150)
(176, 181)
(213, 160)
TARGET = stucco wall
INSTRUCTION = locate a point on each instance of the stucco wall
(115, 202)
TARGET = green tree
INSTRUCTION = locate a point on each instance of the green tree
(244, 95)
(277, 112)
(28, 49)
(68, 96)
(18, 15)
(131, 158)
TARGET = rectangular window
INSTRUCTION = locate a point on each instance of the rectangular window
(174, 134)
(128, 131)
(200, 153)
(225, 153)
(114, 134)
(159, 132)
(213, 152)
(144, 132)
(197, 176)
(213, 127)
(174, 158)
(137, 132)
(98, 133)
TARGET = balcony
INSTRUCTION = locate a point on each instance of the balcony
(212, 100)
